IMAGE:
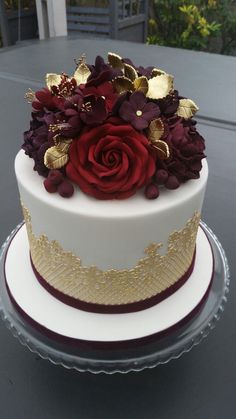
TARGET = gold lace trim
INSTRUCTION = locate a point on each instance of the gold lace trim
(151, 275)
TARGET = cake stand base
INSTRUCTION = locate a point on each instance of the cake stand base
(161, 348)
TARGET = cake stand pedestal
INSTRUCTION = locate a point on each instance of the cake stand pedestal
(136, 358)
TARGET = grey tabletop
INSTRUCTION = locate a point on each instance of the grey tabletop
(202, 383)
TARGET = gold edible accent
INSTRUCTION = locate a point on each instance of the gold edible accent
(30, 96)
(57, 156)
(141, 83)
(130, 72)
(157, 72)
(139, 113)
(187, 108)
(53, 79)
(82, 73)
(151, 275)
(160, 86)
(155, 132)
(115, 60)
(162, 149)
(122, 84)
(81, 59)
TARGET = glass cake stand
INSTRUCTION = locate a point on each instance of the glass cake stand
(123, 360)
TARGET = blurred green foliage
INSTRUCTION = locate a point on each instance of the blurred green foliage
(208, 25)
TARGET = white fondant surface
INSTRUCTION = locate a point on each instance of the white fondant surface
(68, 321)
(107, 234)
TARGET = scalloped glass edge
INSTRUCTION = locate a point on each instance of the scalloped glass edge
(138, 363)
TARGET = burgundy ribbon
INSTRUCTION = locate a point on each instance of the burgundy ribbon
(112, 309)
(84, 344)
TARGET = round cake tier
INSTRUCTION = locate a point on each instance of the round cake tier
(110, 253)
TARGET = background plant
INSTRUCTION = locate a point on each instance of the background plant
(202, 25)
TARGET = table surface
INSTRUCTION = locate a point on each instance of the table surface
(202, 383)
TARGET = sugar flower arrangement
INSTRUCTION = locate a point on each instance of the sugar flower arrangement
(113, 128)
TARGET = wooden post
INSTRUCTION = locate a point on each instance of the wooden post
(57, 18)
(146, 12)
(6, 40)
(113, 19)
(51, 16)
(42, 17)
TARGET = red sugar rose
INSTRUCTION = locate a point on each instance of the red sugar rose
(111, 161)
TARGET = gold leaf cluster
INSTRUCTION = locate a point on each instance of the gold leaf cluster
(156, 130)
(158, 87)
(57, 156)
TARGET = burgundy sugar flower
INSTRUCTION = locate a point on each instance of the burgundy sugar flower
(66, 88)
(111, 161)
(138, 111)
(187, 150)
(94, 110)
(169, 104)
(36, 142)
(105, 90)
(101, 72)
(46, 100)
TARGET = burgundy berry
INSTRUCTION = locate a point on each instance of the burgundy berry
(49, 186)
(66, 189)
(151, 191)
(172, 182)
(55, 177)
(161, 176)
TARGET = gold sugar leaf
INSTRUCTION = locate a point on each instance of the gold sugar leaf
(130, 72)
(187, 108)
(141, 83)
(162, 149)
(52, 79)
(155, 130)
(82, 73)
(62, 143)
(55, 158)
(115, 60)
(157, 72)
(160, 86)
(123, 84)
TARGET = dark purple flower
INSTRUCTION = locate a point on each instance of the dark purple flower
(101, 72)
(138, 111)
(169, 104)
(75, 101)
(186, 150)
(147, 72)
(94, 110)
(46, 100)
(67, 123)
(36, 142)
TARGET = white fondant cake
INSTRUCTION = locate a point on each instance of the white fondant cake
(108, 142)
(108, 234)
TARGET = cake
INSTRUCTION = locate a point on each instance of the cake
(112, 176)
